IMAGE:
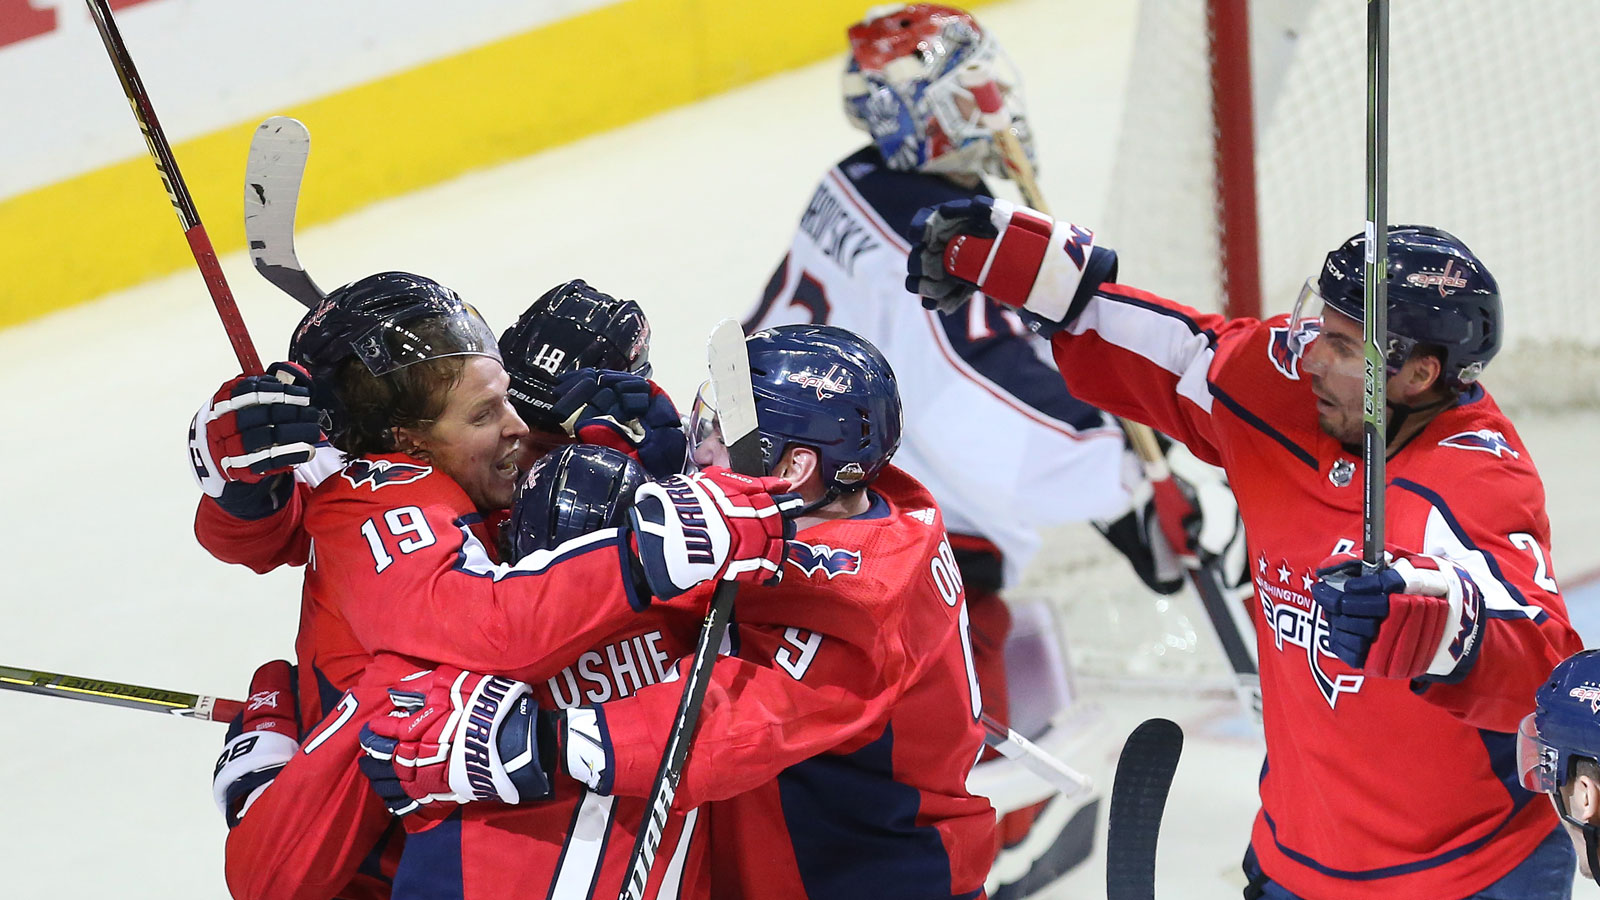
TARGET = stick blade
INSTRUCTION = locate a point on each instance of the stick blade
(729, 364)
(1138, 797)
(276, 166)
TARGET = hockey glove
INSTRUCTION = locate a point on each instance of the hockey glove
(690, 529)
(1418, 617)
(626, 413)
(458, 736)
(253, 431)
(260, 742)
(1018, 256)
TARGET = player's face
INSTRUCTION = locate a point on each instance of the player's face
(477, 439)
(1335, 362)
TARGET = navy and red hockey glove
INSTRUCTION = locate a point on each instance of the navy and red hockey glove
(1016, 255)
(626, 413)
(690, 529)
(260, 742)
(1418, 617)
(252, 430)
(457, 737)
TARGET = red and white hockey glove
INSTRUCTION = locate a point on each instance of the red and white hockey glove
(1018, 256)
(254, 427)
(625, 412)
(457, 737)
(260, 742)
(690, 529)
(1418, 617)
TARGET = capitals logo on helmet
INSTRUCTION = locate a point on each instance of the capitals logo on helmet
(812, 559)
(828, 389)
(908, 82)
(378, 473)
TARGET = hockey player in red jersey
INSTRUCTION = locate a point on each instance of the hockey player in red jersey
(403, 560)
(1391, 701)
(1558, 753)
(837, 735)
(578, 360)
(845, 265)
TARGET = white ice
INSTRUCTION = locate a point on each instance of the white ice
(687, 212)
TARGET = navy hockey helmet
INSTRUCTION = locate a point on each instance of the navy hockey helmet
(376, 319)
(571, 326)
(1563, 728)
(1440, 294)
(570, 492)
(830, 389)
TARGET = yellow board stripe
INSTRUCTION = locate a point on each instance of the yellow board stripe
(112, 228)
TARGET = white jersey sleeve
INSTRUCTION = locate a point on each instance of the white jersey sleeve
(989, 426)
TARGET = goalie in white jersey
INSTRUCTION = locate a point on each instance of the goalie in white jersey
(988, 422)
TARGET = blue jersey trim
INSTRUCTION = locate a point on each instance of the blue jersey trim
(1461, 534)
(1010, 361)
(877, 509)
(854, 831)
(431, 865)
(1389, 871)
(1259, 424)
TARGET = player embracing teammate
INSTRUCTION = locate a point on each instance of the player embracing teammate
(833, 693)
(1392, 701)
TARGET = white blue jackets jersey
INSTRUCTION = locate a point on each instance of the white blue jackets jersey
(990, 429)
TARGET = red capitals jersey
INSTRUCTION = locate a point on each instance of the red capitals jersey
(1372, 787)
(836, 741)
(329, 658)
(400, 551)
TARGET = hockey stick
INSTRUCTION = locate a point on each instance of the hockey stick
(1375, 293)
(729, 363)
(1138, 797)
(178, 192)
(272, 178)
(1206, 576)
(1041, 762)
(113, 693)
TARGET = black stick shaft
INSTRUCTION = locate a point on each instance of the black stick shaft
(205, 256)
(1375, 318)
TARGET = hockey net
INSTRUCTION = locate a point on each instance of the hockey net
(1494, 128)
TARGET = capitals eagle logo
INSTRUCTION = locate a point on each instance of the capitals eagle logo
(378, 473)
(822, 558)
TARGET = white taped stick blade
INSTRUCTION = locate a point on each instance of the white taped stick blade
(273, 174)
(729, 365)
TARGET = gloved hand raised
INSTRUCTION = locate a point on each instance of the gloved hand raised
(1018, 256)
(1418, 617)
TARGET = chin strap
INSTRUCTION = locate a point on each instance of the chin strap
(829, 496)
(1400, 412)
(1591, 839)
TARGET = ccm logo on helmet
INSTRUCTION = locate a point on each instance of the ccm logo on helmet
(827, 385)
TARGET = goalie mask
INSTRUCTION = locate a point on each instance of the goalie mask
(903, 84)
